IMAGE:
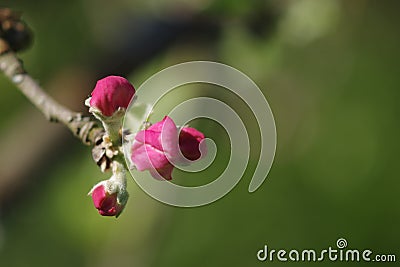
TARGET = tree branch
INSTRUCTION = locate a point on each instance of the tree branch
(83, 127)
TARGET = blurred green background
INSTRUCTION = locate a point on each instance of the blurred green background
(330, 72)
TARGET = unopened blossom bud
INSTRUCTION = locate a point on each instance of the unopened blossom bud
(106, 203)
(110, 97)
(110, 94)
(110, 196)
(189, 142)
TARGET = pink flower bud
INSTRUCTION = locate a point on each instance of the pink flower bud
(189, 142)
(148, 153)
(153, 147)
(110, 94)
(107, 204)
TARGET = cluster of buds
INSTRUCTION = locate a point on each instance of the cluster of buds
(155, 148)
(108, 102)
